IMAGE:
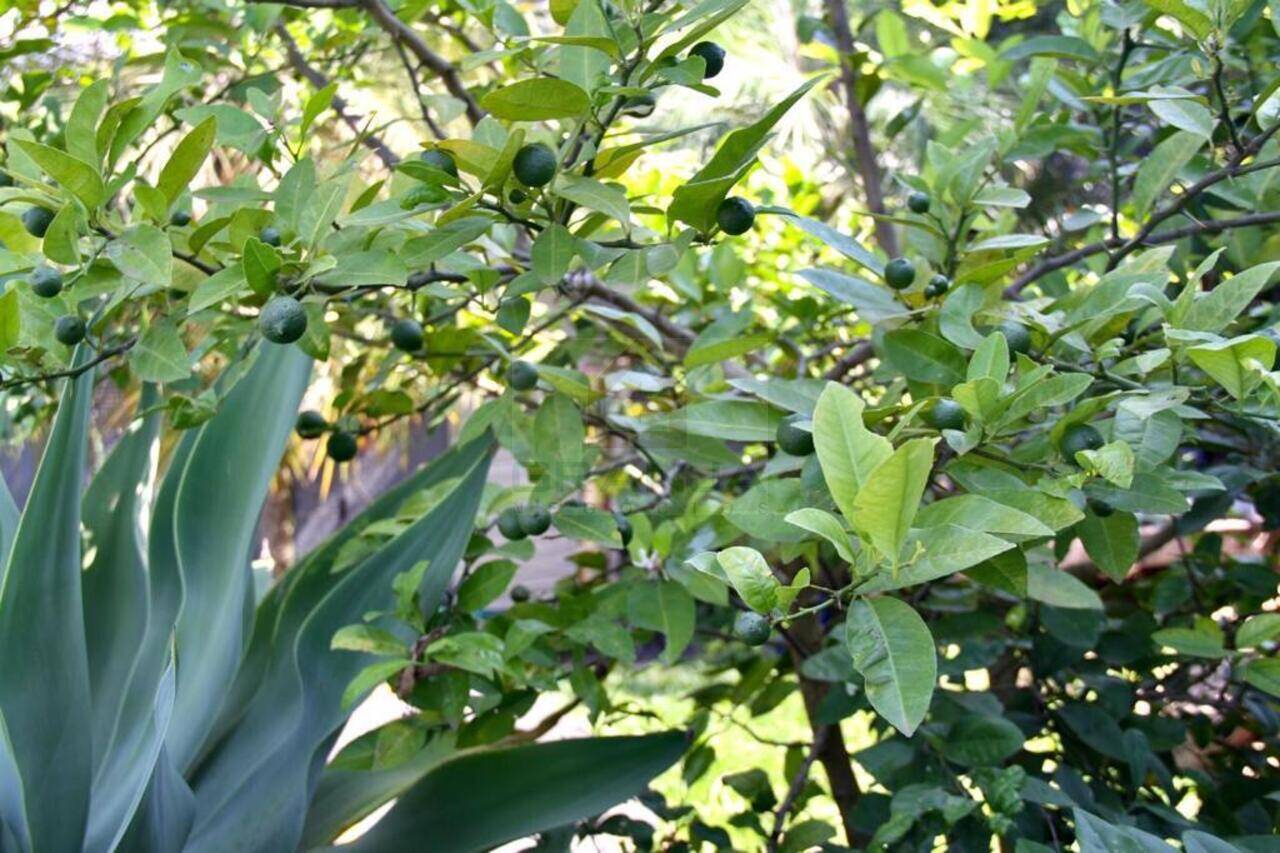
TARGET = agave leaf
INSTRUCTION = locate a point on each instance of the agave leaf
(45, 678)
(223, 485)
(487, 796)
(163, 821)
(344, 797)
(253, 789)
(117, 605)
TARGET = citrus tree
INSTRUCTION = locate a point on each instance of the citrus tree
(926, 393)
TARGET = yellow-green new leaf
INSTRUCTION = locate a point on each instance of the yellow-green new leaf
(887, 502)
(76, 176)
(893, 650)
(847, 450)
(186, 159)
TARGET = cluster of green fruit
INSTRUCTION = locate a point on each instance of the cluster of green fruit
(342, 445)
(516, 523)
(47, 282)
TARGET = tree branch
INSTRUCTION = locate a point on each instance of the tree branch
(71, 372)
(441, 67)
(864, 153)
(306, 70)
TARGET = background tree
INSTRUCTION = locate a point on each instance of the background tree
(926, 402)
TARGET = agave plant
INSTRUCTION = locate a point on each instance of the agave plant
(145, 704)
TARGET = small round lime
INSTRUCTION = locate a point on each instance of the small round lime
(899, 273)
(520, 593)
(342, 446)
(712, 55)
(946, 413)
(509, 524)
(270, 235)
(937, 286)
(36, 220)
(311, 424)
(282, 320)
(751, 628)
(918, 202)
(1079, 437)
(522, 376)
(535, 165)
(406, 334)
(534, 519)
(440, 160)
(735, 215)
(794, 439)
(46, 282)
(180, 218)
(1016, 336)
(69, 330)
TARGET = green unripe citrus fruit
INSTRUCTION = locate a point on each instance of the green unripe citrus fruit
(946, 414)
(282, 320)
(440, 160)
(624, 528)
(1079, 437)
(509, 524)
(535, 165)
(735, 215)
(918, 202)
(794, 439)
(937, 286)
(751, 628)
(1016, 618)
(712, 55)
(46, 282)
(1101, 509)
(36, 220)
(69, 330)
(180, 218)
(406, 334)
(899, 273)
(522, 376)
(519, 593)
(311, 424)
(270, 235)
(1016, 336)
(517, 196)
(534, 519)
(341, 446)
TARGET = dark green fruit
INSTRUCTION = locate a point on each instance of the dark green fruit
(1016, 618)
(519, 593)
(735, 215)
(36, 220)
(341, 447)
(46, 282)
(517, 196)
(899, 273)
(639, 105)
(440, 160)
(1016, 336)
(509, 524)
(311, 424)
(1079, 437)
(535, 165)
(406, 334)
(534, 519)
(624, 528)
(751, 628)
(522, 376)
(1100, 508)
(794, 439)
(180, 218)
(712, 54)
(937, 286)
(946, 414)
(918, 202)
(69, 330)
(270, 235)
(282, 320)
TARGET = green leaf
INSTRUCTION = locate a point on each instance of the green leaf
(1203, 640)
(887, 502)
(873, 303)
(1060, 589)
(1112, 541)
(315, 105)
(923, 357)
(370, 677)
(552, 253)
(537, 99)
(368, 638)
(666, 607)
(1185, 114)
(1257, 629)
(160, 355)
(978, 740)
(485, 797)
(749, 574)
(609, 199)
(845, 245)
(589, 524)
(484, 585)
(696, 200)
(77, 177)
(1212, 312)
(1160, 167)
(82, 123)
(187, 158)
(260, 263)
(847, 450)
(893, 650)
(729, 420)
(1238, 364)
(1185, 13)
(824, 524)
(1114, 462)
(1264, 674)
(143, 253)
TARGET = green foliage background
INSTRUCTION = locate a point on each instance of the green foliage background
(936, 507)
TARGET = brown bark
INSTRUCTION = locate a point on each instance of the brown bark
(864, 154)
